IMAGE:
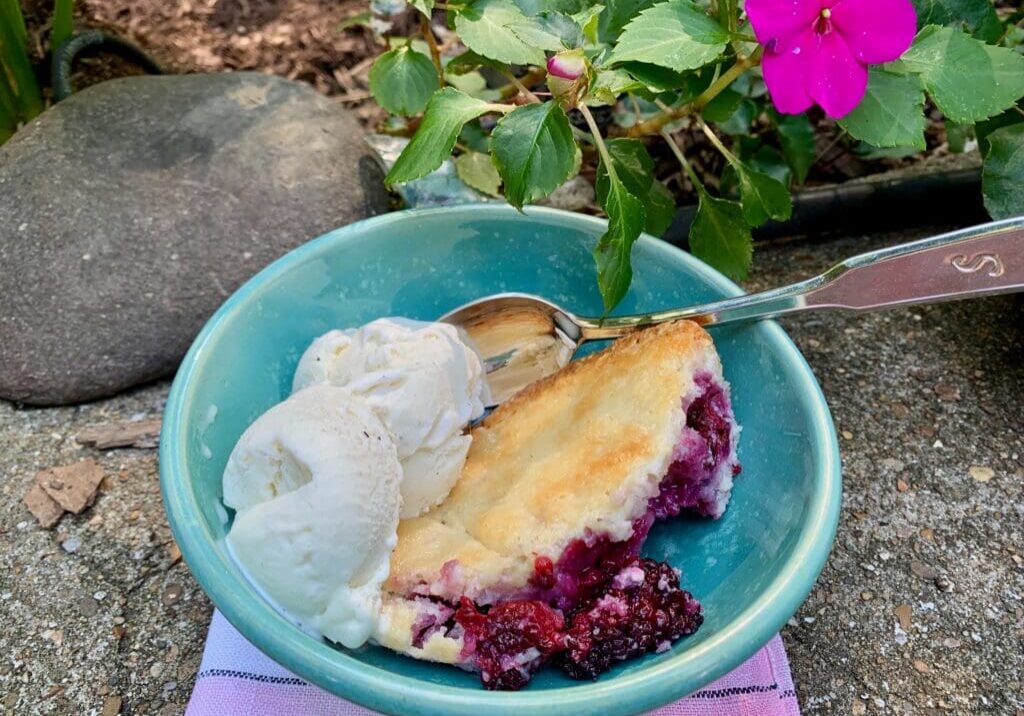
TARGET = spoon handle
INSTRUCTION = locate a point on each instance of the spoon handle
(978, 261)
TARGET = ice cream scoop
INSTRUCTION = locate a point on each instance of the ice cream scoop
(424, 384)
(315, 486)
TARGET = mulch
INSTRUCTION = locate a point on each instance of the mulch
(297, 39)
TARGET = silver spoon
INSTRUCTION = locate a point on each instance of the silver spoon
(523, 338)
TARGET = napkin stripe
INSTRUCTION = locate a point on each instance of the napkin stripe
(249, 676)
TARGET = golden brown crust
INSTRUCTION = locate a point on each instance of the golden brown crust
(575, 454)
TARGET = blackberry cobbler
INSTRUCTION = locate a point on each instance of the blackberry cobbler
(534, 557)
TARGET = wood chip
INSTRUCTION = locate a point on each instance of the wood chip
(111, 706)
(73, 486)
(43, 507)
(901, 485)
(903, 612)
(928, 533)
(173, 553)
(981, 474)
(135, 433)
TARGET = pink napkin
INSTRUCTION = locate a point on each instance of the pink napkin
(236, 679)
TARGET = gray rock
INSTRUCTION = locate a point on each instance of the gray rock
(130, 211)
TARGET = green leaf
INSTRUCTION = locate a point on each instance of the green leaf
(957, 136)
(63, 22)
(634, 169)
(967, 79)
(478, 171)
(614, 249)
(491, 28)
(722, 106)
(475, 137)
(660, 208)
(891, 113)
(768, 160)
(402, 81)
(424, 6)
(796, 136)
(1002, 178)
(446, 112)
(656, 79)
(976, 16)
(550, 31)
(468, 61)
(608, 85)
(738, 123)
(474, 84)
(721, 237)
(676, 34)
(870, 152)
(762, 197)
(985, 128)
(534, 151)
(617, 13)
(588, 19)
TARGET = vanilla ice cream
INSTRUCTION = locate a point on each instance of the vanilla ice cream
(422, 382)
(315, 485)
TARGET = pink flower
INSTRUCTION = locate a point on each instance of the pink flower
(817, 51)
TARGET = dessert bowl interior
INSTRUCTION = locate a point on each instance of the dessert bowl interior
(750, 569)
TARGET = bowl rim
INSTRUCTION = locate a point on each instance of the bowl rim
(377, 688)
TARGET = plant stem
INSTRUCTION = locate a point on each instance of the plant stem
(514, 88)
(606, 158)
(523, 89)
(655, 124)
(435, 53)
(728, 14)
(667, 136)
(709, 133)
(63, 23)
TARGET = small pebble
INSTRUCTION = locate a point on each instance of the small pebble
(88, 606)
(171, 595)
(867, 596)
(981, 474)
(921, 666)
(847, 435)
(71, 544)
(901, 485)
(923, 571)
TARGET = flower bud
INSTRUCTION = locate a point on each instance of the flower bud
(568, 65)
(568, 76)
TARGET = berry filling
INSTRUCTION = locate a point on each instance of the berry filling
(618, 605)
(637, 609)
(642, 610)
(510, 640)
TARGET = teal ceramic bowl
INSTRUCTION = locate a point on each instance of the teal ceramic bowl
(751, 569)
